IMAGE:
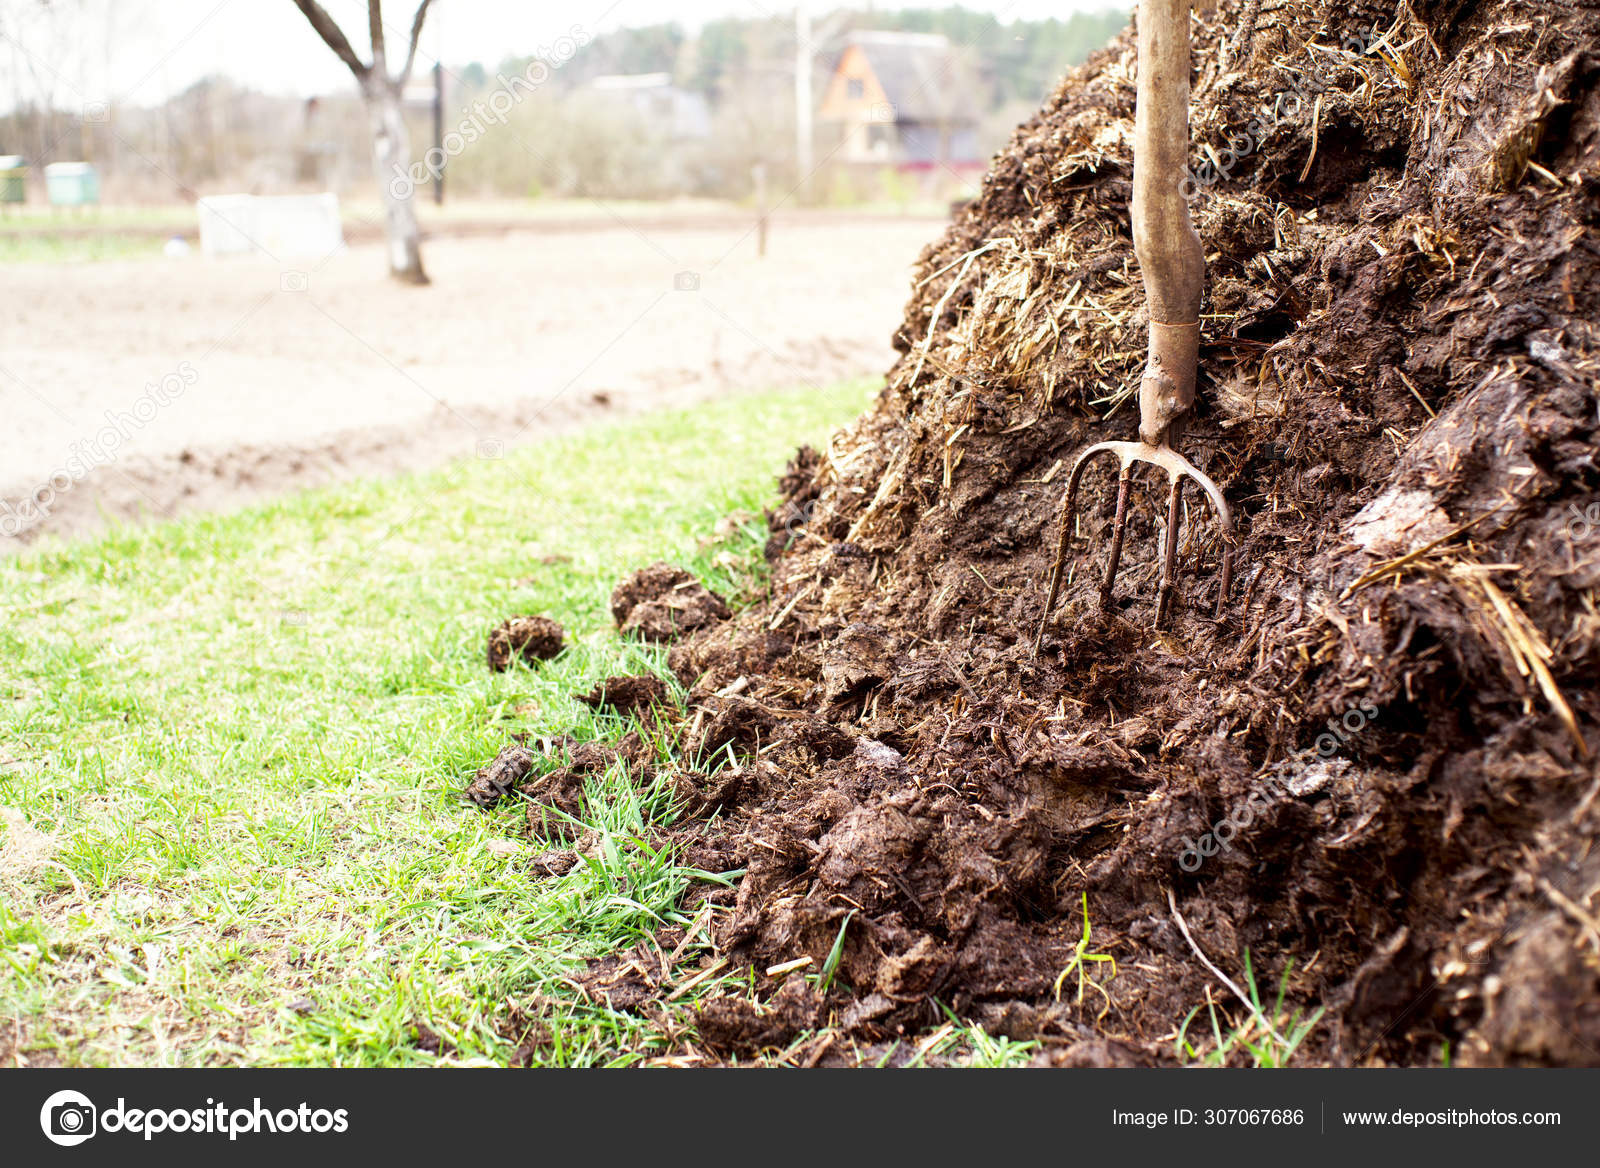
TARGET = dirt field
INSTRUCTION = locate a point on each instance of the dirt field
(156, 387)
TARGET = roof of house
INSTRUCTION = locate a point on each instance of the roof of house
(924, 78)
(686, 112)
(632, 81)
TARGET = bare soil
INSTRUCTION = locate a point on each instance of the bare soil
(1373, 777)
(310, 372)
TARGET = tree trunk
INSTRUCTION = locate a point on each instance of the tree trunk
(391, 161)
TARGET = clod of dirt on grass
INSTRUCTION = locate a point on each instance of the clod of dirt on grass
(532, 638)
(624, 981)
(550, 775)
(730, 1025)
(704, 794)
(663, 602)
(533, 1037)
(498, 778)
(426, 1039)
(552, 863)
(636, 695)
(557, 798)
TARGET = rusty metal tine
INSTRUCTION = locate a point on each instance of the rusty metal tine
(1169, 555)
(1119, 531)
(1068, 508)
(1226, 577)
(1178, 468)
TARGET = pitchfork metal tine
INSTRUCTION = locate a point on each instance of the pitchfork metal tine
(1169, 554)
(1178, 468)
(1119, 531)
(1069, 507)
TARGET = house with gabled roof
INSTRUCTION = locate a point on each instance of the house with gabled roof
(902, 99)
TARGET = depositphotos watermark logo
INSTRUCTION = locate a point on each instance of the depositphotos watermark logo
(69, 1118)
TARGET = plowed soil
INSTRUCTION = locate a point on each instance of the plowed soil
(1372, 777)
(293, 379)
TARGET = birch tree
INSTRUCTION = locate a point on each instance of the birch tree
(391, 145)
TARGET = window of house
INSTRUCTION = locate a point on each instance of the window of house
(855, 89)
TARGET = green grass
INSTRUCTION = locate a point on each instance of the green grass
(49, 247)
(231, 750)
(39, 215)
(1262, 1040)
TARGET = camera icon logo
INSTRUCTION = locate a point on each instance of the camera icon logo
(1582, 524)
(96, 111)
(68, 1118)
(686, 282)
(293, 281)
(882, 111)
(799, 519)
(491, 448)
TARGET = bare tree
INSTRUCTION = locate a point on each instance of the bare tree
(391, 146)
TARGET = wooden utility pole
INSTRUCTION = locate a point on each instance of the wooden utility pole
(758, 173)
(802, 98)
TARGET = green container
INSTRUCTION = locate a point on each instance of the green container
(72, 184)
(13, 179)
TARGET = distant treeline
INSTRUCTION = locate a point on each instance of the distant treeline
(564, 140)
(562, 137)
(1019, 60)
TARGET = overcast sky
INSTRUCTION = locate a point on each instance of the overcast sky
(141, 51)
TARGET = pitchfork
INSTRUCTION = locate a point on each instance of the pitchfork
(1174, 267)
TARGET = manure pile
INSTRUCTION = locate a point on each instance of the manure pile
(1373, 778)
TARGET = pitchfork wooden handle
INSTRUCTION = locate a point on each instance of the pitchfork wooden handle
(1170, 255)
